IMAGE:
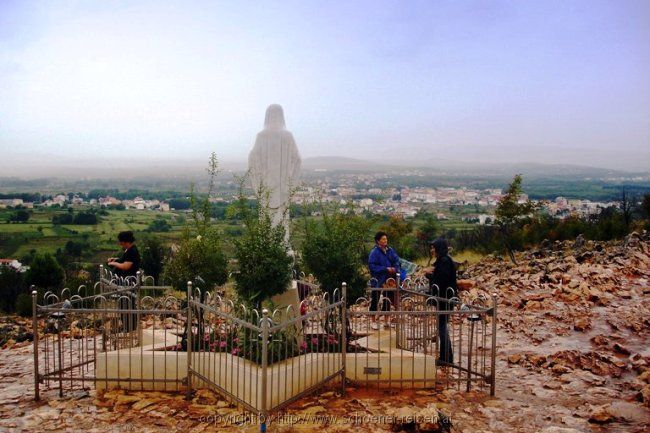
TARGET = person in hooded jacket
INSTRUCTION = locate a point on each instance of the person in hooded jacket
(442, 283)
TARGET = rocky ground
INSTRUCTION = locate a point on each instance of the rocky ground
(574, 356)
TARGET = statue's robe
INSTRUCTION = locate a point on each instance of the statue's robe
(274, 165)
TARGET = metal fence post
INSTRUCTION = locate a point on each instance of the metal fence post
(59, 346)
(138, 305)
(493, 378)
(398, 298)
(265, 360)
(344, 335)
(101, 280)
(469, 354)
(188, 394)
(35, 340)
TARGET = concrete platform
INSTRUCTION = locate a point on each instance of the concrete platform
(151, 367)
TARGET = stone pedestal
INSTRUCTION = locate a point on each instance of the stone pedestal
(286, 298)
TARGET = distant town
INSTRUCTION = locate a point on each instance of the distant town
(404, 201)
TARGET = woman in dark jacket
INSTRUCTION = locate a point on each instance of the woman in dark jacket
(443, 275)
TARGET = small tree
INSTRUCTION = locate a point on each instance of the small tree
(400, 237)
(64, 218)
(263, 256)
(159, 224)
(45, 273)
(426, 233)
(197, 257)
(11, 286)
(75, 249)
(645, 206)
(153, 256)
(202, 209)
(333, 250)
(627, 206)
(200, 254)
(19, 216)
(509, 214)
(85, 218)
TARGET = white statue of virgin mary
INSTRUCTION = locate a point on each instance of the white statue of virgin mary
(274, 164)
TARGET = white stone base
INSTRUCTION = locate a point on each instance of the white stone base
(243, 379)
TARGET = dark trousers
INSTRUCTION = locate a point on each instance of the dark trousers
(446, 352)
(374, 300)
(129, 320)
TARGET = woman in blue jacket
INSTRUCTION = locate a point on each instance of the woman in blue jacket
(383, 263)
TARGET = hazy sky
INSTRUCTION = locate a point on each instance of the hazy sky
(541, 81)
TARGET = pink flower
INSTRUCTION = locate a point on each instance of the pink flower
(206, 337)
(303, 346)
(235, 340)
(222, 344)
(314, 340)
(235, 351)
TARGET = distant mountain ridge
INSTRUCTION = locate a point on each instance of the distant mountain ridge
(446, 166)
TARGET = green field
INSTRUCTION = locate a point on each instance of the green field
(39, 234)
(19, 240)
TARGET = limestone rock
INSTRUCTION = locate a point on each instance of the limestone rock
(582, 324)
(143, 404)
(126, 399)
(644, 377)
(601, 415)
(559, 430)
(618, 348)
(430, 419)
(644, 396)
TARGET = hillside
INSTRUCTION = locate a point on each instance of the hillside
(573, 357)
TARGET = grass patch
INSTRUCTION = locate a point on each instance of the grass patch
(17, 240)
(472, 257)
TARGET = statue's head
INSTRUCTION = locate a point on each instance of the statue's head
(274, 117)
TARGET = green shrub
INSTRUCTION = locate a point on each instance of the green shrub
(263, 256)
(333, 250)
(200, 256)
(45, 273)
(20, 216)
(11, 285)
(153, 257)
(159, 225)
(85, 218)
(400, 236)
(24, 305)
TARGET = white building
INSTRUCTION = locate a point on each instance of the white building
(13, 264)
(11, 202)
(366, 202)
